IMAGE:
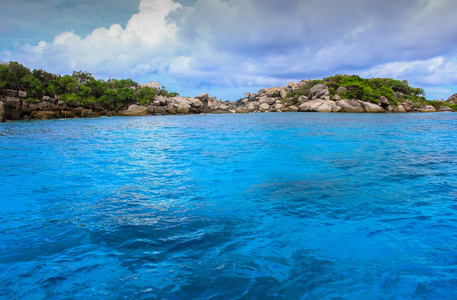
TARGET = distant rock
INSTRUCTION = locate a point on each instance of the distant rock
(445, 108)
(241, 110)
(273, 92)
(134, 110)
(399, 109)
(427, 108)
(183, 108)
(2, 113)
(371, 107)
(384, 102)
(267, 100)
(153, 85)
(202, 97)
(341, 89)
(264, 106)
(350, 106)
(452, 99)
(45, 115)
(318, 91)
(319, 105)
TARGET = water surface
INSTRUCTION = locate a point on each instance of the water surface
(257, 206)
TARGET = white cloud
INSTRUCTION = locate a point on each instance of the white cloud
(254, 43)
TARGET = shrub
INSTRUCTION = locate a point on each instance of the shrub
(146, 95)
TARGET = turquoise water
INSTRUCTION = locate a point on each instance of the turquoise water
(258, 206)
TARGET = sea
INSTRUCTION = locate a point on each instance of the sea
(233, 206)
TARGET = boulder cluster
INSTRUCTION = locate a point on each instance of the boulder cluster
(318, 100)
(14, 105)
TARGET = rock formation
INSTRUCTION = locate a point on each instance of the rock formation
(14, 105)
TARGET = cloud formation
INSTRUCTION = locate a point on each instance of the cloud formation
(240, 45)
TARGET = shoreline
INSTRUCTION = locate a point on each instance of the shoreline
(15, 106)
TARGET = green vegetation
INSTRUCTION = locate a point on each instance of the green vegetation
(369, 90)
(78, 89)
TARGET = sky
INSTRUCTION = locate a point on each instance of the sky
(229, 47)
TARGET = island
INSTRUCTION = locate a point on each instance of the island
(38, 94)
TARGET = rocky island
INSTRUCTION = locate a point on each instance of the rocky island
(37, 94)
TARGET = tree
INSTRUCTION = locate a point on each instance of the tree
(146, 95)
(6, 77)
(19, 72)
(82, 77)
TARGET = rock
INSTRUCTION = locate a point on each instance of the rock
(445, 108)
(384, 102)
(194, 102)
(77, 111)
(253, 106)
(274, 92)
(16, 115)
(370, 107)
(247, 95)
(262, 91)
(427, 108)
(241, 110)
(319, 105)
(350, 106)
(11, 93)
(399, 96)
(13, 103)
(336, 97)
(87, 113)
(326, 97)
(45, 115)
(399, 109)
(134, 110)
(111, 113)
(224, 106)
(282, 93)
(318, 91)
(202, 97)
(267, 100)
(180, 100)
(22, 94)
(278, 107)
(303, 99)
(153, 85)
(67, 114)
(2, 113)
(303, 83)
(292, 108)
(341, 89)
(183, 108)
(287, 88)
(44, 105)
(264, 106)
(293, 85)
(408, 105)
(159, 110)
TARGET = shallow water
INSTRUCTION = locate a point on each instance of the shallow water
(258, 206)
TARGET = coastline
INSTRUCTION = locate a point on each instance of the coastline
(14, 105)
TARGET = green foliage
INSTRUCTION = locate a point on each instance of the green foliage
(6, 77)
(146, 95)
(33, 86)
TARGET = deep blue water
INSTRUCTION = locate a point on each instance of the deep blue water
(258, 206)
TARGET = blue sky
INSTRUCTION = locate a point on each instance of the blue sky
(228, 47)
